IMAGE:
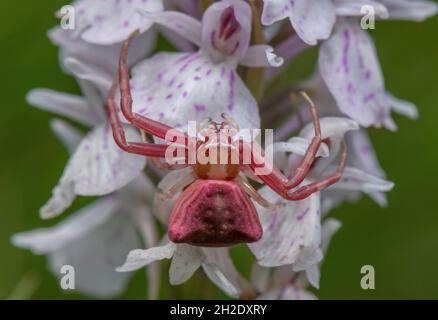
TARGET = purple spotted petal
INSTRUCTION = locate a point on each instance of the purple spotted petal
(97, 167)
(226, 30)
(177, 87)
(349, 66)
(289, 232)
(112, 21)
(312, 20)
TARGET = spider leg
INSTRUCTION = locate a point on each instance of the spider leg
(303, 168)
(145, 149)
(178, 186)
(248, 188)
(276, 180)
(157, 162)
(307, 190)
(166, 166)
(150, 126)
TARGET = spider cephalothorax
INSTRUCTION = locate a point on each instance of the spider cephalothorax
(214, 208)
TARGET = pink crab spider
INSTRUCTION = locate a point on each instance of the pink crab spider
(214, 208)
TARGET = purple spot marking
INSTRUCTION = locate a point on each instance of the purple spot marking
(346, 50)
(369, 98)
(303, 214)
(199, 107)
(232, 82)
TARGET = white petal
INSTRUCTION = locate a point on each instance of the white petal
(112, 21)
(313, 275)
(73, 228)
(354, 8)
(71, 106)
(140, 258)
(174, 88)
(287, 292)
(99, 78)
(69, 135)
(405, 108)
(94, 241)
(260, 277)
(416, 10)
(97, 167)
(329, 228)
(312, 20)
(186, 260)
(220, 269)
(355, 179)
(334, 198)
(289, 231)
(299, 146)
(331, 127)
(184, 25)
(261, 56)
(349, 66)
(146, 226)
(307, 257)
(102, 57)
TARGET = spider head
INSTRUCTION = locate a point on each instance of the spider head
(218, 152)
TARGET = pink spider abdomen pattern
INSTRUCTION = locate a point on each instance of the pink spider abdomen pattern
(214, 213)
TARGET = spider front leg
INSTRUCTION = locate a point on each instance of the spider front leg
(153, 127)
(145, 149)
(150, 126)
(278, 182)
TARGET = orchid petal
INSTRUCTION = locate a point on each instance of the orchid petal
(99, 78)
(67, 134)
(63, 104)
(329, 228)
(138, 258)
(355, 179)
(260, 277)
(405, 108)
(289, 231)
(261, 56)
(226, 30)
(415, 10)
(176, 88)
(220, 269)
(94, 240)
(186, 260)
(353, 74)
(102, 57)
(312, 20)
(97, 167)
(288, 292)
(299, 146)
(107, 22)
(182, 24)
(355, 8)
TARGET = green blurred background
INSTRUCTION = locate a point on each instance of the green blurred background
(400, 241)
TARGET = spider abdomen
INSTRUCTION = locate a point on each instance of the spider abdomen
(214, 213)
